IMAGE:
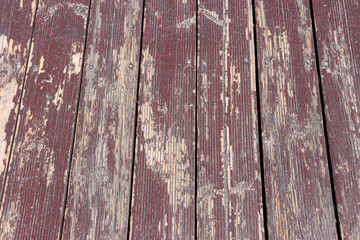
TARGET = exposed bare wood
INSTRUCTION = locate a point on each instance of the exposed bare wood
(99, 195)
(38, 168)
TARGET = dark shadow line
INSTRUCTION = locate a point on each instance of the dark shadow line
(259, 125)
(136, 119)
(75, 125)
(196, 116)
(19, 104)
(324, 122)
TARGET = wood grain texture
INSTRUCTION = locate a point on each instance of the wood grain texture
(34, 193)
(297, 182)
(99, 195)
(229, 179)
(338, 34)
(163, 202)
(16, 24)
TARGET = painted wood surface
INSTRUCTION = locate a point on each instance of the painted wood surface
(163, 201)
(338, 34)
(297, 182)
(16, 24)
(229, 204)
(99, 195)
(34, 193)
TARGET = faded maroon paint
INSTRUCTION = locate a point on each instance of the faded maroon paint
(37, 176)
(338, 34)
(163, 205)
(298, 190)
(229, 187)
(99, 196)
(16, 24)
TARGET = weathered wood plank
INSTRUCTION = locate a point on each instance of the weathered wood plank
(229, 182)
(99, 195)
(297, 182)
(16, 24)
(163, 202)
(338, 34)
(34, 193)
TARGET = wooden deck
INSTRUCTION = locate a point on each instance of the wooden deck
(180, 119)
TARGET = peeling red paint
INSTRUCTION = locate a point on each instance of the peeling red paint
(38, 168)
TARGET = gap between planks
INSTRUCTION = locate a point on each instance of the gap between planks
(263, 192)
(135, 119)
(196, 113)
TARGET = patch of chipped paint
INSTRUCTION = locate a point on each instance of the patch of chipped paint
(7, 92)
(9, 228)
(164, 155)
(304, 18)
(3, 43)
(6, 71)
(33, 9)
(8, 89)
(76, 60)
(260, 16)
(79, 9)
(211, 15)
(206, 204)
(8, 47)
(305, 32)
(58, 100)
(31, 57)
(41, 65)
(50, 171)
(12, 49)
(186, 23)
(52, 9)
(235, 77)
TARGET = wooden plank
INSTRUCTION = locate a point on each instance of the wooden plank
(229, 179)
(33, 198)
(297, 182)
(338, 31)
(16, 24)
(163, 202)
(99, 195)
